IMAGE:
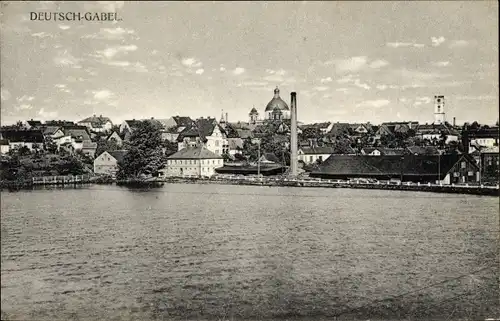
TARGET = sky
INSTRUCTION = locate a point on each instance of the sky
(348, 61)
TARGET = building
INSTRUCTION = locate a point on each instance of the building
(490, 165)
(380, 151)
(116, 137)
(311, 155)
(4, 146)
(483, 137)
(108, 162)
(435, 132)
(206, 132)
(193, 161)
(439, 114)
(76, 138)
(32, 124)
(17, 138)
(276, 109)
(173, 126)
(447, 169)
(127, 127)
(97, 124)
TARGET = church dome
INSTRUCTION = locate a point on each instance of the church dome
(276, 102)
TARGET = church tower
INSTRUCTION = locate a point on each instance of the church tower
(439, 110)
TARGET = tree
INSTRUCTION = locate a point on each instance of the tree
(104, 145)
(50, 145)
(170, 147)
(145, 154)
(250, 150)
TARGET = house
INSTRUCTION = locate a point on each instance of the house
(447, 169)
(127, 126)
(310, 155)
(60, 123)
(206, 132)
(33, 124)
(107, 163)
(486, 137)
(489, 164)
(436, 131)
(235, 145)
(52, 131)
(392, 128)
(89, 148)
(192, 161)
(4, 146)
(32, 139)
(379, 151)
(340, 129)
(97, 124)
(77, 137)
(116, 137)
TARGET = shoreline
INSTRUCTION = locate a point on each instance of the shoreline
(450, 189)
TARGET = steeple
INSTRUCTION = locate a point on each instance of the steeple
(277, 92)
(222, 117)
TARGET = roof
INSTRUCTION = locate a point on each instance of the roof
(89, 145)
(183, 121)
(133, 123)
(429, 129)
(235, 143)
(491, 132)
(26, 136)
(50, 130)
(388, 166)
(277, 102)
(59, 123)
(423, 150)
(202, 128)
(77, 132)
(34, 123)
(317, 150)
(113, 133)
(96, 121)
(339, 129)
(316, 125)
(194, 153)
(119, 155)
(253, 111)
(269, 158)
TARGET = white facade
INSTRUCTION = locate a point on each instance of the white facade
(437, 136)
(311, 158)
(4, 149)
(439, 115)
(13, 145)
(486, 142)
(105, 164)
(215, 142)
(192, 167)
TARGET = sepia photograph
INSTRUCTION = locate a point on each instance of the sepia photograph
(249, 160)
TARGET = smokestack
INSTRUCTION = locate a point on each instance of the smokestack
(454, 120)
(293, 134)
(227, 121)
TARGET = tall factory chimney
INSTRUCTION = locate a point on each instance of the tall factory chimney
(227, 121)
(293, 136)
(454, 121)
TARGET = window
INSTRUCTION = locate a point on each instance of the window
(310, 158)
(463, 165)
(470, 173)
(216, 143)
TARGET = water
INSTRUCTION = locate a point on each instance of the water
(247, 252)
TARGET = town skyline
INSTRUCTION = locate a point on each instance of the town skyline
(197, 59)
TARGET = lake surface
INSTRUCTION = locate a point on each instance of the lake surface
(247, 252)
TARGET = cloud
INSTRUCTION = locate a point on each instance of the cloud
(437, 41)
(255, 83)
(441, 63)
(378, 64)
(321, 88)
(5, 94)
(200, 71)
(25, 98)
(222, 68)
(359, 84)
(118, 63)
(137, 67)
(102, 94)
(280, 79)
(326, 80)
(24, 107)
(238, 70)
(351, 64)
(113, 51)
(422, 101)
(459, 43)
(404, 44)
(374, 103)
(64, 27)
(344, 90)
(42, 35)
(47, 114)
(104, 6)
(382, 87)
(118, 33)
(346, 79)
(191, 62)
(485, 97)
(65, 59)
